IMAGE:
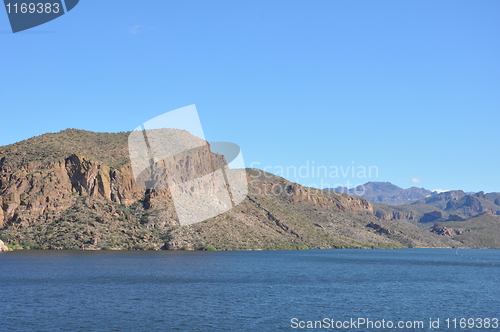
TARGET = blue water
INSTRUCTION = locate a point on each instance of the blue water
(244, 291)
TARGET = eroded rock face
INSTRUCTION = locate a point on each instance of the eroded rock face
(90, 178)
(37, 189)
(33, 190)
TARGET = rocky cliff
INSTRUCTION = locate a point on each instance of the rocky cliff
(38, 189)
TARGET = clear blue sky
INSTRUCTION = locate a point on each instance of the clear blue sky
(410, 87)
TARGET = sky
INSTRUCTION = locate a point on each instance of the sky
(400, 91)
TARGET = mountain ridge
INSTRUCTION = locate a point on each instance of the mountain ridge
(385, 192)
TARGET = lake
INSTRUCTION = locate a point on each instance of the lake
(250, 290)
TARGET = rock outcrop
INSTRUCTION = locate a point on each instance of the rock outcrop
(446, 231)
(3, 247)
(381, 228)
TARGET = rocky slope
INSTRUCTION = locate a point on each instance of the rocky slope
(75, 190)
(481, 231)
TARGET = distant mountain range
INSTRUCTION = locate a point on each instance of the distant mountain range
(468, 218)
(454, 205)
(386, 192)
(458, 204)
(452, 213)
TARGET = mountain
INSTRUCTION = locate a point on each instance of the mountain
(420, 205)
(386, 192)
(472, 219)
(75, 190)
(459, 203)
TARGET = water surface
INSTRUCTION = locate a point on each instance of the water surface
(243, 291)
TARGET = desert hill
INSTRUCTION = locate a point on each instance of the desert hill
(75, 190)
